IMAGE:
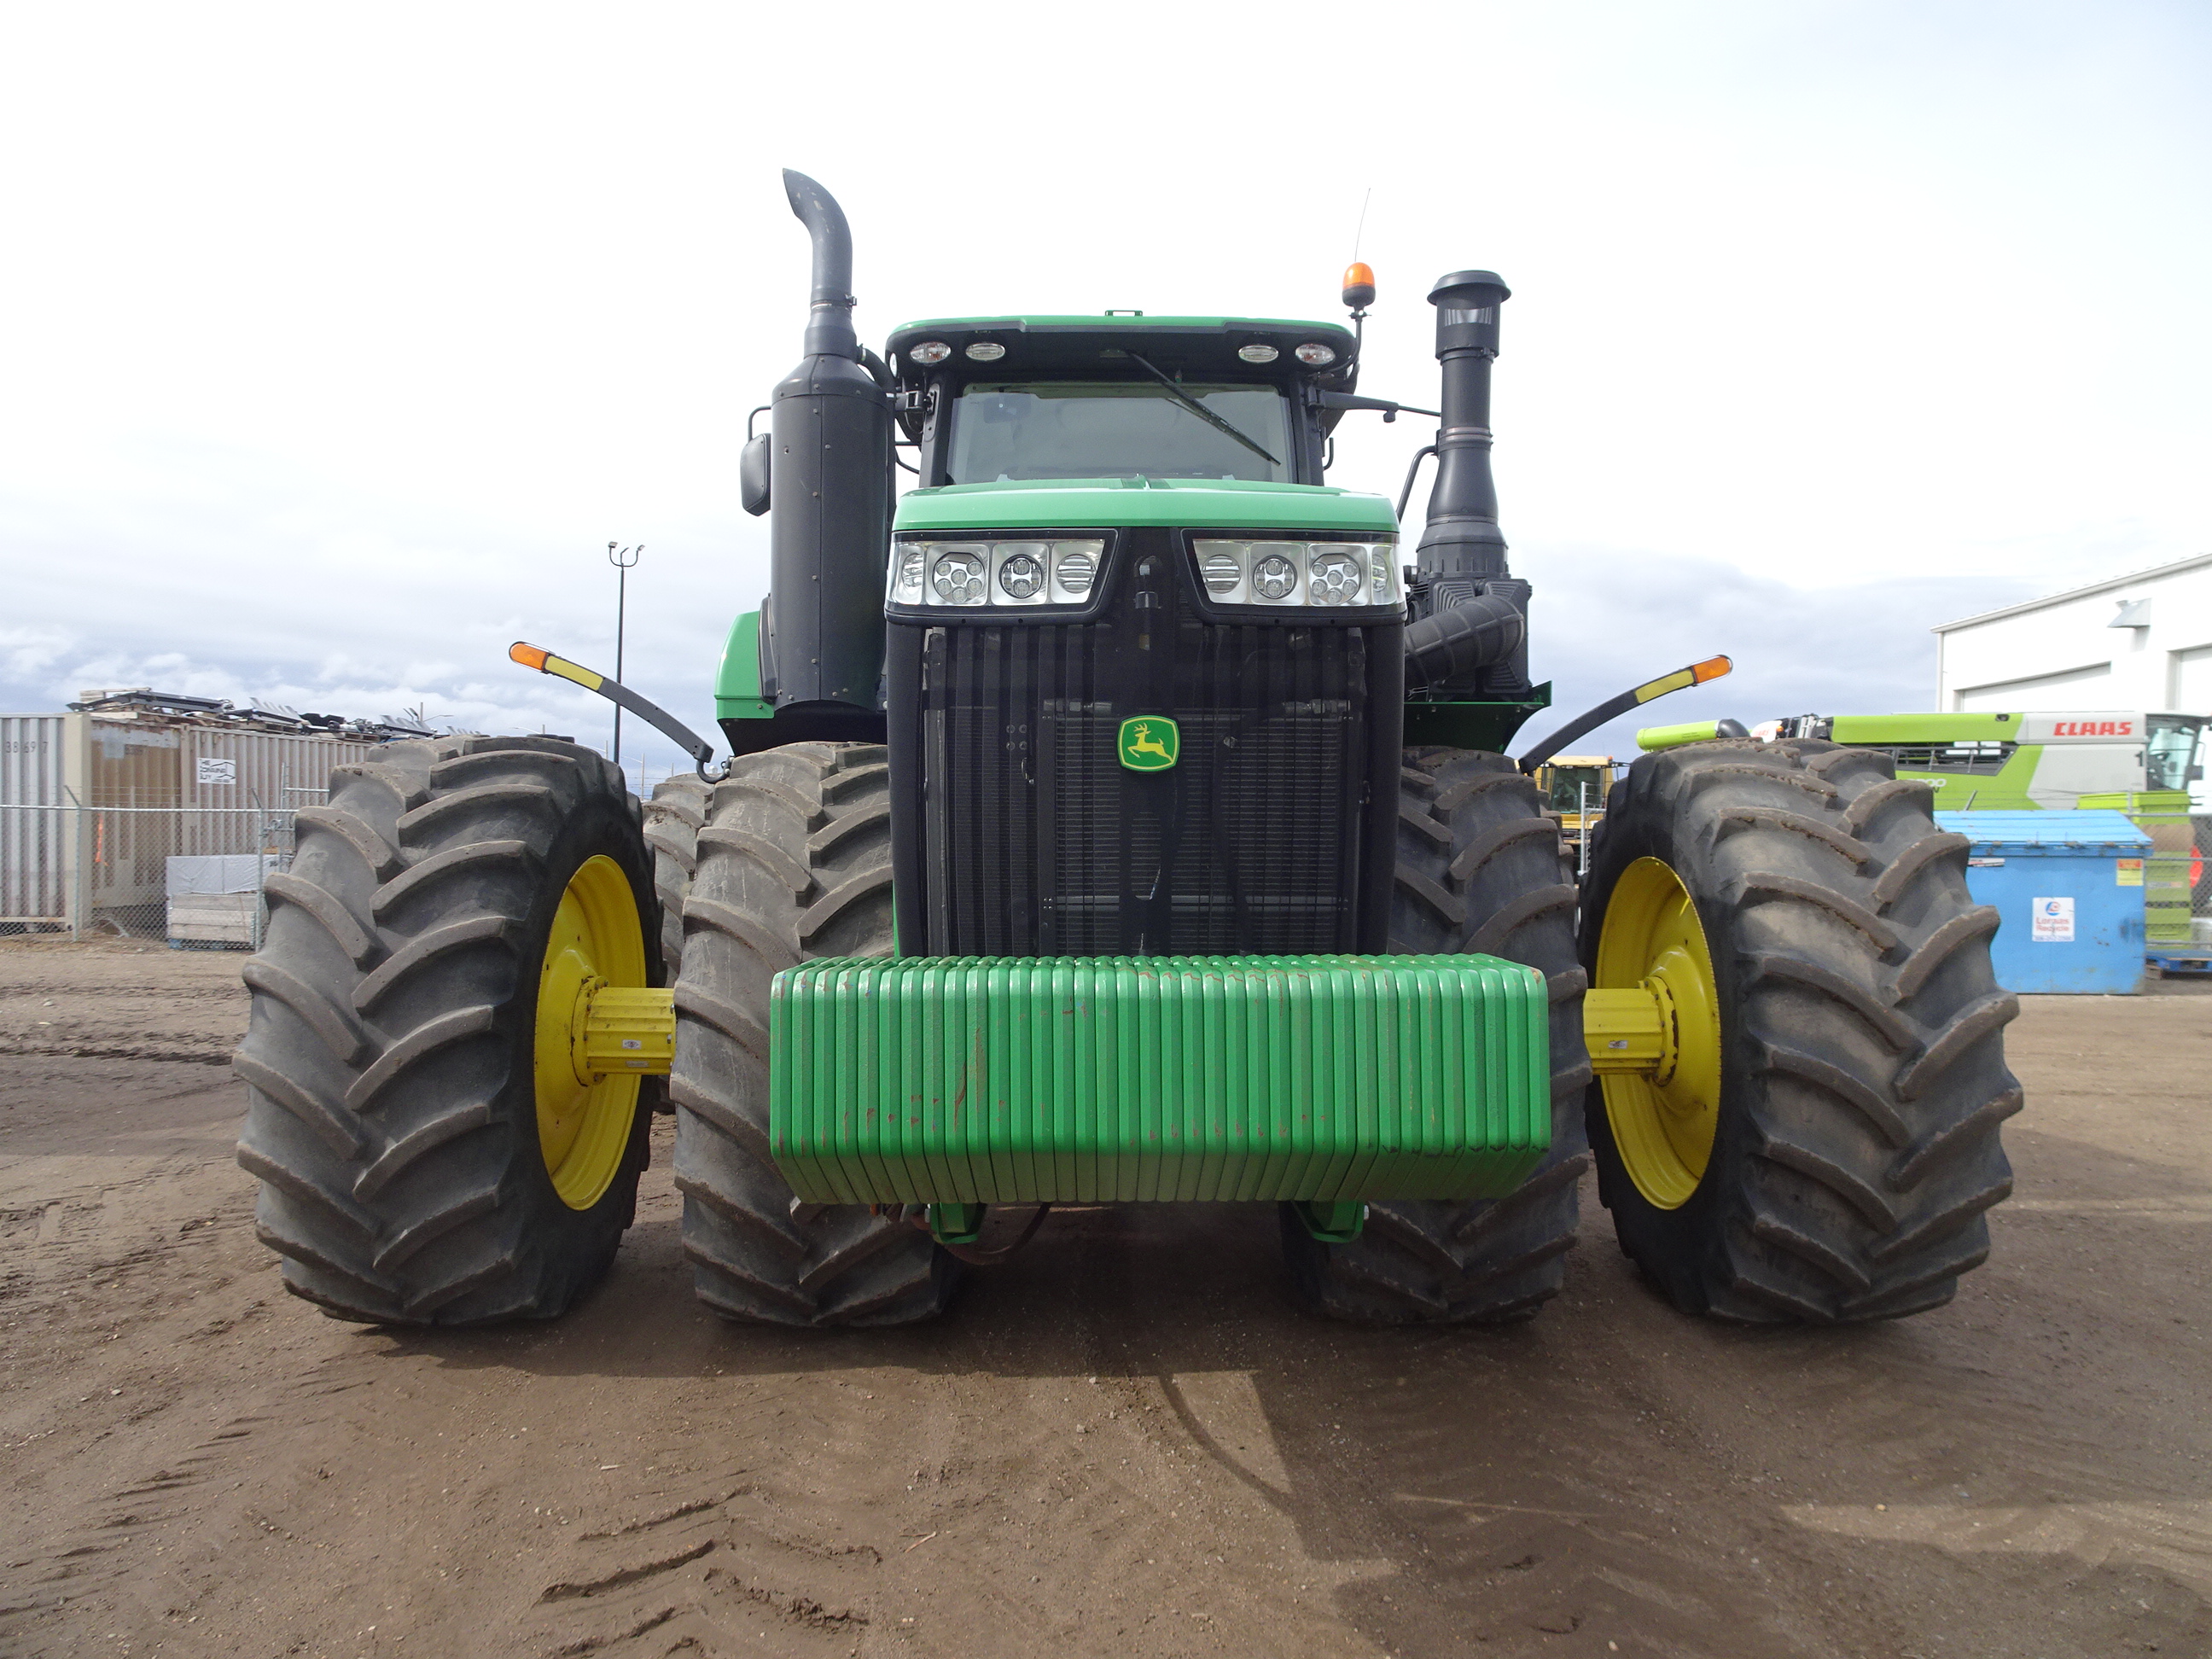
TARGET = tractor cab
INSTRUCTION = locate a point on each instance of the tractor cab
(1030, 399)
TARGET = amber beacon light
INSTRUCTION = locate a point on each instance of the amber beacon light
(1359, 285)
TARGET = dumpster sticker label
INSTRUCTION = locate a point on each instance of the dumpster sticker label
(2053, 922)
(1985, 864)
(207, 771)
(2127, 872)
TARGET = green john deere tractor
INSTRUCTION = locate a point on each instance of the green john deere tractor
(1120, 815)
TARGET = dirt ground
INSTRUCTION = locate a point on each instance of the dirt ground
(1124, 1441)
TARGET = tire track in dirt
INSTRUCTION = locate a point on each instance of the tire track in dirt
(1122, 1441)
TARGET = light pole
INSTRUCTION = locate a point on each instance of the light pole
(622, 561)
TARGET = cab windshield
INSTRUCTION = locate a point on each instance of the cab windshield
(1077, 429)
(2170, 754)
(1578, 788)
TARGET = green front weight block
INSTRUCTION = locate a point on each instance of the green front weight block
(1326, 1080)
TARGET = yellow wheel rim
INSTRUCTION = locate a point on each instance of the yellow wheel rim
(584, 1126)
(1664, 1123)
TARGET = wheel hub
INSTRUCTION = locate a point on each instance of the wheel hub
(1651, 1022)
(600, 1027)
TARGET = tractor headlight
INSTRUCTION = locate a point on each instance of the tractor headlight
(994, 574)
(1335, 578)
(1273, 576)
(957, 575)
(906, 576)
(1347, 573)
(1021, 570)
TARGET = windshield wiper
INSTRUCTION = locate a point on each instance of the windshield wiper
(1200, 409)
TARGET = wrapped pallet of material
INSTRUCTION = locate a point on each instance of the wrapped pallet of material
(214, 900)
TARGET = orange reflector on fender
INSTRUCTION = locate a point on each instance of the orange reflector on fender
(1711, 669)
(530, 656)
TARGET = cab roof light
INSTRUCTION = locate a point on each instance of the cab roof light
(1358, 286)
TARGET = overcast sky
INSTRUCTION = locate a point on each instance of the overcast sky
(337, 343)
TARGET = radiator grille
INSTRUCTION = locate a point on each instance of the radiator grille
(1039, 841)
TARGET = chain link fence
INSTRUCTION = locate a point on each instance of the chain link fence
(2177, 884)
(191, 875)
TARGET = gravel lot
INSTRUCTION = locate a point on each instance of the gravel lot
(1122, 1442)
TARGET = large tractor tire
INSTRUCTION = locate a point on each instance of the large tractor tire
(793, 862)
(673, 819)
(1825, 1144)
(1479, 870)
(426, 1154)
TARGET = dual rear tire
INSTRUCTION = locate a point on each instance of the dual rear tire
(414, 1170)
(1479, 870)
(791, 859)
(1838, 1158)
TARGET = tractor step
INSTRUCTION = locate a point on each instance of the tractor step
(1317, 1079)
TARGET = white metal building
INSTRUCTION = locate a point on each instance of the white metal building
(2141, 642)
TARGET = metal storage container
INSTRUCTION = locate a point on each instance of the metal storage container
(92, 809)
(36, 854)
(2068, 888)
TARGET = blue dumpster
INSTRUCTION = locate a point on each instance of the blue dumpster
(2068, 892)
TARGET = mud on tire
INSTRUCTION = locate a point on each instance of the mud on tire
(392, 1113)
(1862, 1069)
(793, 862)
(1479, 870)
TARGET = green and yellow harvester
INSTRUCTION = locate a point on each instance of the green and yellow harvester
(1121, 815)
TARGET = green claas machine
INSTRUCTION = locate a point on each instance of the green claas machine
(2147, 765)
(1121, 815)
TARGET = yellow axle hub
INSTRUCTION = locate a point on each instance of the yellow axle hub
(1651, 1022)
(622, 1031)
(600, 1027)
(1630, 1031)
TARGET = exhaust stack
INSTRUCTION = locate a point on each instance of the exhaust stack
(1471, 634)
(830, 498)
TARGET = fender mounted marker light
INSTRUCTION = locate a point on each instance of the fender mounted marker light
(1696, 674)
(538, 657)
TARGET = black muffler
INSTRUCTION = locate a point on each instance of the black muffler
(830, 499)
(1470, 631)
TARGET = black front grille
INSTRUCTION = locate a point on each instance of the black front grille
(1037, 841)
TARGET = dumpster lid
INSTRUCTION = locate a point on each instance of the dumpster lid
(2101, 833)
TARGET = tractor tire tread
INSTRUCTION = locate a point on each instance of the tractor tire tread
(807, 820)
(396, 1145)
(1851, 1176)
(1479, 869)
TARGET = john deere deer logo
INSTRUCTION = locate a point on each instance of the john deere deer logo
(1150, 743)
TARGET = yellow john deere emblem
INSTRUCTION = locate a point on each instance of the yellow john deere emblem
(1150, 743)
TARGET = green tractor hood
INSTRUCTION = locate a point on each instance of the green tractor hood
(1129, 503)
